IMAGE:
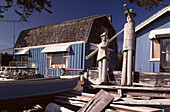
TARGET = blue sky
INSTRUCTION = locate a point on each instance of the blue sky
(64, 10)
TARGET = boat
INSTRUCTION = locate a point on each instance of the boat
(69, 76)
(15, 89)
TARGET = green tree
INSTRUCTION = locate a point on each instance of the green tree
(148, 4)
(25, 8)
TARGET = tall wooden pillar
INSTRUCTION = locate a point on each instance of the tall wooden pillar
(104, 70)
(129, 68)
(124, 69)
(128, 48)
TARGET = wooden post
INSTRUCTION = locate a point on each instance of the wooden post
(129, 68)
(97, 103)
(100, 63)
(120, 93)
(128, 47)
(129, 34)
(124, 70)
(104, 70)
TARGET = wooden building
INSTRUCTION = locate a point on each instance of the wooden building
(5, 58)
(153, 43)
(65, 44)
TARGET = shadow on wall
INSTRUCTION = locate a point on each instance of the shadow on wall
(71, 51)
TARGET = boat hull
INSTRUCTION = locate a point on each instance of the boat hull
(35, 87)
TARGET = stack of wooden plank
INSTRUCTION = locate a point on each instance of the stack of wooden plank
(104, 101)
(137, 90)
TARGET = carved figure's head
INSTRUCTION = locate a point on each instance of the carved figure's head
(104, 37)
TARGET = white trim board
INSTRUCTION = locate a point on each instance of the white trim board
(151, 49)
(152, 18)
(33, 47)
(56, 48)
(153, 33)
(22, 51)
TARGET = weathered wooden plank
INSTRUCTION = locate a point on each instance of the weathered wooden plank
(130, 88)
(140, 97)
(152, 102)
(110, 110)
(118, 103)
(134, 108)
(78, 98)
(158, 79)
(71, 102)
(97, 103)
(151, 94)
(88, 94)
(82, 98)
(143, 84)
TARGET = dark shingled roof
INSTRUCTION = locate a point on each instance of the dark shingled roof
(67, 31)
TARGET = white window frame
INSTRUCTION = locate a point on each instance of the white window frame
(152, 35)
(151, 52)
(66, 60)
(50, 59)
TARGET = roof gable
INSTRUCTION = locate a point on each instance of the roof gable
(152, 18)
(67, 31)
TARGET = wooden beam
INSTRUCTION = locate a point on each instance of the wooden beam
(134, 108)
(150, 94)
(130, 88)
(152, 102)
(110, 110)
(143, 84)
(71, 102)
(127, 9)
(71, 69)
(77, 98)
(98, 103)
(95, 51)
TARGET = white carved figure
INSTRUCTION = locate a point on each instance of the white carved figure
(128, 49)
(102, 58)
(129, 33)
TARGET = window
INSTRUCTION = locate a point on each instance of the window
(48, 60)
(155, 50)
(23, 57)
(104, 29)
(165, 50)
(55, 60)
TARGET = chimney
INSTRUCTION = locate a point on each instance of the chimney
(110, 18)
